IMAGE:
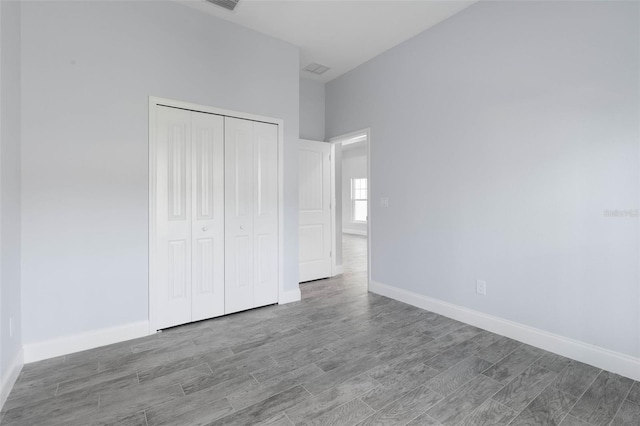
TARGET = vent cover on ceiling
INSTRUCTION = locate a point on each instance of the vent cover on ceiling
(227, 4)
(316, 68)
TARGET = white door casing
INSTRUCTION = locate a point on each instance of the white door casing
(314, 210)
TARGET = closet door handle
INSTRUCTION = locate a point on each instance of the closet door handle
(241, 226)
(205, 228)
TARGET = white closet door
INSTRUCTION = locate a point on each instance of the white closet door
(173, 216)
(239, 204)
(265, 214)
(207, 230)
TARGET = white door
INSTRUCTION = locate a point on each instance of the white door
(189, 271)
(265, 214)
(315, 212)
(207, 226)
(173, 216)
(251, 206)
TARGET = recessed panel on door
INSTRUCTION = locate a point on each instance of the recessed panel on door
(207, 230)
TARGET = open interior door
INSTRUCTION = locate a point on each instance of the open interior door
(315, 210)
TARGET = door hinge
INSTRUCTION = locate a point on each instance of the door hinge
(330, 253)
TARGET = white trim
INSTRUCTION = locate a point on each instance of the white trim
(155, 101)
(332, 196)
(12, 376)
(290, 296)
(605, 359)
(349, 136)
(339, 269)
(354, 231)
(79, 342)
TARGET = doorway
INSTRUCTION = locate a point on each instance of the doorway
(351, 187)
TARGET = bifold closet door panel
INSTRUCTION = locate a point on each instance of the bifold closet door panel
(265, 214)
(207, 227)
(172, 271)
(239, 205)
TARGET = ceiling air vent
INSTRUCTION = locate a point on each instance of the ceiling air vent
(227, 4)
(316, 68)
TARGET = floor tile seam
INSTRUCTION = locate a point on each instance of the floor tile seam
(568, 412)
(631, 401)
(411, 390)
(458, 387)
(586, 388)
(620, 406)
(530, 402)
(288, 418)
(265, 398)
(496, 402)
(506, 355)
(460, 362)
(412, 419)
(520, 371)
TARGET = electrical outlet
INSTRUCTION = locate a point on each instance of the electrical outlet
(481, 287)
(10, 326)
(384, 202)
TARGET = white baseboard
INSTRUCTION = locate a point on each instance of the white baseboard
(10, 378)
(355, 232)
(79, 342)
(290, 296)
(624, 365)
(338, 269)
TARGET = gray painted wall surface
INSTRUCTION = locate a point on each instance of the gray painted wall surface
(311, 110)
(88, 69)
(500, 137)
(10, 306)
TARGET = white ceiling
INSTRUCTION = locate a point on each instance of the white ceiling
(340, 34)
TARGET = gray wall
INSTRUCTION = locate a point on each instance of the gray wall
(9, 185)
(500, 137)
(354, 166)
(88, 69)
(311, 109)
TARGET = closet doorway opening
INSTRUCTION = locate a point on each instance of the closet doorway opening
(215, 212)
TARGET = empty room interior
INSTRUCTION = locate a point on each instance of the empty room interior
(318, 212)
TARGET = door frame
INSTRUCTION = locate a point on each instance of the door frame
(154, 102)
(334, 141)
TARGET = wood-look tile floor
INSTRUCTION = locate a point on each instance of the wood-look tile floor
(341, 356)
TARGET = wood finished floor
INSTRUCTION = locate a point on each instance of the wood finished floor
(341, 356)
